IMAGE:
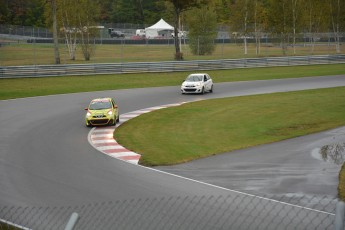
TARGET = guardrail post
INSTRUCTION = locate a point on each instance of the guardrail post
(72, 221)
(339, 216)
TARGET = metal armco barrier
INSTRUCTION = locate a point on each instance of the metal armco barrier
(166, 66)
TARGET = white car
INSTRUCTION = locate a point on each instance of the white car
(180, 34)
(140, 33)
(197, 83)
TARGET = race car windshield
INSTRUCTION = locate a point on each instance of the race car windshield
(193, 78)
(100, 105)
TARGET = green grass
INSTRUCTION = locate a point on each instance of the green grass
(341, 186)
(40, 54)
(28, 87)
(201, 129)
(8, 227)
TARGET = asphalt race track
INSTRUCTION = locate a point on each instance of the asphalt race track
(46, 160)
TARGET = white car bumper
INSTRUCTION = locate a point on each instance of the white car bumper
(191, 89)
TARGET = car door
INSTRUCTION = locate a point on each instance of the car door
(115, 108)
(208, 82)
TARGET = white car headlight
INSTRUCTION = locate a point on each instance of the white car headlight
(110, 112)
(88, 114)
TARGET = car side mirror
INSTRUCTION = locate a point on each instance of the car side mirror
(86, 109)
(115, 106)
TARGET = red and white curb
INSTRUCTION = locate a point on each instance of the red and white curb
(102, 139)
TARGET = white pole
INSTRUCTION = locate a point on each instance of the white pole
(179, 29)
(339, 216)
(72, 221)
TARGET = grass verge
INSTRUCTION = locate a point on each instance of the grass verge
(204, 128)
(7, 227)
(29, 87)
(13, 54)
(341, 186)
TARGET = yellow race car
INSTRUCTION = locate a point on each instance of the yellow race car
(102, 111)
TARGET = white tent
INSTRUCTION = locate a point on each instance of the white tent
(160, 29)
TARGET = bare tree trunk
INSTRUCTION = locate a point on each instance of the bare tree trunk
(71, 41)
(70, 33)
(245, 28)
(178, 54)
(257, 39)
(55, 34)
(310, 27)
(284, 33)
(294, 18)
(317, 29)
(335, 25)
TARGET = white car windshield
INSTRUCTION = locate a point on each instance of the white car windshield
(194, 78)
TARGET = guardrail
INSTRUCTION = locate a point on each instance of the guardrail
(166, 66)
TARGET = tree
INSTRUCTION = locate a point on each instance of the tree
(52, 4)
(153, 10)
(136, 11)
(22, 12)
(87, 14)
(280, 20)
(223, 10)
(124, 11)
(315, 19)
(260, 22)
(77, 20)
(34, 13)
(248, 17)
(294, 7)
(337, 11)
(202, 25)
(240, 17)
(179, 7)
(4, 11)
(68, 19)
(105, 10)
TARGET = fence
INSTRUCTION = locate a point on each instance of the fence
(236, 211)
(137, 67)
(27, 31)
(223, 31)
(20, 45)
